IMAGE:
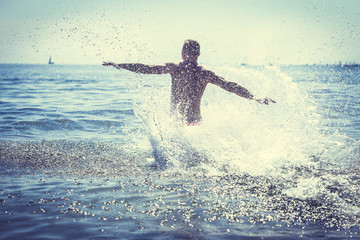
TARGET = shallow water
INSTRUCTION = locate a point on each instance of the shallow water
(76, 156)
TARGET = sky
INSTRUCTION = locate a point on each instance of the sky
(153, 31)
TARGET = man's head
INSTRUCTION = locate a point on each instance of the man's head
(191, 50)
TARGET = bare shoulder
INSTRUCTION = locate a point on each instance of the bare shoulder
(207, 74)
(171, 66)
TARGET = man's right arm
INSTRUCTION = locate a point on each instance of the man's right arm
(142, 68)
(234, 88)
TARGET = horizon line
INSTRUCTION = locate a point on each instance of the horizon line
(241, 64)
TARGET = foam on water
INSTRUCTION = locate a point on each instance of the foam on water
(238, 137)
(241, 135)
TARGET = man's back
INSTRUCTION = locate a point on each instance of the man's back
(187, 87)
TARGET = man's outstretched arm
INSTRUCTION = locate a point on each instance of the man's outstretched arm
(236, 88)
(140, 68)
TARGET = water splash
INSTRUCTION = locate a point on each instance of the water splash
(283, 141)
(236, 132)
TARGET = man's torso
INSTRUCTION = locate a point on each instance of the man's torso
(188, 85)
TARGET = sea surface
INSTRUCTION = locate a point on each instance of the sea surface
(90, 152)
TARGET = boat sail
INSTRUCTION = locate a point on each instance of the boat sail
(50, 62)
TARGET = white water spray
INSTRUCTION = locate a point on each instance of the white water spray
(236, 135)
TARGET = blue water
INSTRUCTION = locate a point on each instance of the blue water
(76, 154)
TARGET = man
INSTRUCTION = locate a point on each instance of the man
(188, 83)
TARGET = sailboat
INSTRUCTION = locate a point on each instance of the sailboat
(50, 62)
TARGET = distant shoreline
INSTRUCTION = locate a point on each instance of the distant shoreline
(352, 65)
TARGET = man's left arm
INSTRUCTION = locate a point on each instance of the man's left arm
(141, 68)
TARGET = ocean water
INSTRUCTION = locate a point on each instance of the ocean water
(77, 147)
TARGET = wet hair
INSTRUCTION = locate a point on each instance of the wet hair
(191, 48)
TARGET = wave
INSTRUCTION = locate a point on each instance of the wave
(82, 158)
(297, 194)
(243, 136)
(104, 112)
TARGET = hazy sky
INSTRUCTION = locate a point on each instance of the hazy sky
(153, 31)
